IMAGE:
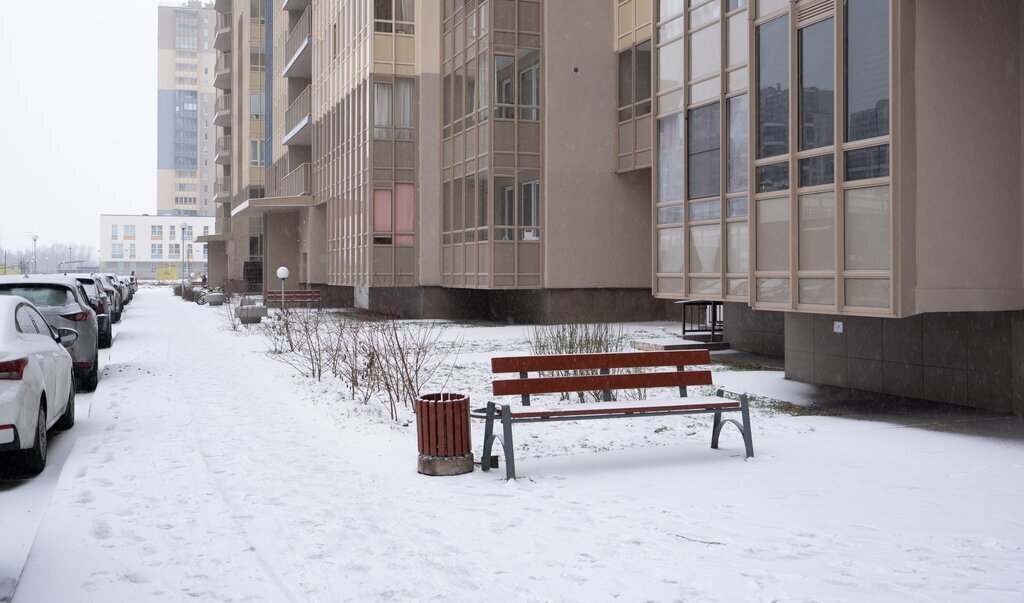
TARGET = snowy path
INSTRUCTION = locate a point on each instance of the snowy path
(222, 477)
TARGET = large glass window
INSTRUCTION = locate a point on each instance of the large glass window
(504, 86)
(867, 69)
(706, 52)
(773, 88)
(705, 249)
(817, 231)
(670, 158)
(704, 151)
(626, 84)
(817, 87)
(773, 234)
(670, 250)
(867, 229)
(670, 65)
(529, 84)
(738, 144)
(642, 80)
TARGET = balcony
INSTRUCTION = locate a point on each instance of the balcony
(298, 57)
(222, 74)
(222, 114)
(295, 5)
(222, 6)
(222, 39)
(222, 191)
(223, 156)
(298, 182)
(298, 121)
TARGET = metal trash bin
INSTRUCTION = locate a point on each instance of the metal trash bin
(442, 429)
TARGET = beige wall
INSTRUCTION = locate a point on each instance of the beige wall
(598, 224)
(428, 169)
(281, 232)
(968, 150)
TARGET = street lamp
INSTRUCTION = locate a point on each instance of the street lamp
(35, 260)
(181, 248)
(282, 273)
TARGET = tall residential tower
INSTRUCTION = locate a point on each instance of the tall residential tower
(187, 137)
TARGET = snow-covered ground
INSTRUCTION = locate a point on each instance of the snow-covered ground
(205, 470)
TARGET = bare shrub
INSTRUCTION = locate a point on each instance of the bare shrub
(577, 338)
(228, 313)
(302, 340)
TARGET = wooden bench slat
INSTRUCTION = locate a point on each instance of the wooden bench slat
(615, 408)
(591, 383)
(564, 362)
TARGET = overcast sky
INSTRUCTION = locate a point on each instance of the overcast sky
(77, 116)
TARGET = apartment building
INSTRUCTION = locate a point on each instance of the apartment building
(846, 176)
(414, 145)
(154, 247)
(187, 137)
(236, 247)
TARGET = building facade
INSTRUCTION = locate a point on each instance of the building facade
(849, 184)
(414, 147)
(187, 137)
(154, 247)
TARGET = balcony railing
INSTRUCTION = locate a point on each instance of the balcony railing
(298, 182)
(298, 111)
(221, 191)
(222, 113)
(290, 5)
(222, 72)
(298, 35)
(223, 150)
(222, 39)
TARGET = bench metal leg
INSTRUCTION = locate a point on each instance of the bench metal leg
(485, 459)
(716, 428)
(506, 424)
(748, 440)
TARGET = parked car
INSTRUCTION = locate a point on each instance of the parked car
(115, 295)
(121, 289)
(100, 302)
(37, 389)
(64, 303)
(127, 287)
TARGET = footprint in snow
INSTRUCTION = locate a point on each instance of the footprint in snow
(101, 530)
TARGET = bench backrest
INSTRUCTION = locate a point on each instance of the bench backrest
(604, 363)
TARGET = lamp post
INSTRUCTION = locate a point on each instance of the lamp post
(282, 273)
(181, 248)
(35, 260)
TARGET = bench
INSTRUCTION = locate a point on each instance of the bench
(598, 377)
(294, 297)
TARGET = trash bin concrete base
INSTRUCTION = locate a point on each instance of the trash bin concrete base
(442, 429)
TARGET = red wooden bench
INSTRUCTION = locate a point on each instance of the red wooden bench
(604, 381)
(294, 297)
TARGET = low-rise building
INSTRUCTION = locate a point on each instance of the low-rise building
(153, 247)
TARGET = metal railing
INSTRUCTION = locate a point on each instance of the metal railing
(224, 145)
(223, 103)
(223, 63)
(223, 23)
(298, 182)
(298, 110)
(298, 35)
(222, 188)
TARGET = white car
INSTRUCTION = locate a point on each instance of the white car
(37, 386)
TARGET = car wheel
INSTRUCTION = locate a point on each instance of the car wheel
(105, 341)
(67, 420)
(34, 459)
(92, 378)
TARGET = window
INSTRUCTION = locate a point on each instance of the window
(172, 231)
(738, 144)
(867, 229)
(382, 107)
(670, 158)
(504, 86)
(206, 231)
(113, 231)
(256, 157)
(529, 84)
(156, 232)
(504, 207)
(174, 250)
(117, 251)
(156, 251)
(635, 81)
(704, 151)
(529, 205)
(773, 88)
(404, 108)
(131, 251)
(867, 69)
(773, 234)
(817, 88)
(817, 232)
(394, 15)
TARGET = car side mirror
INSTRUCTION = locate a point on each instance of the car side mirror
(67, 337)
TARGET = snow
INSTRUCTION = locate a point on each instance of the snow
(205, 470)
